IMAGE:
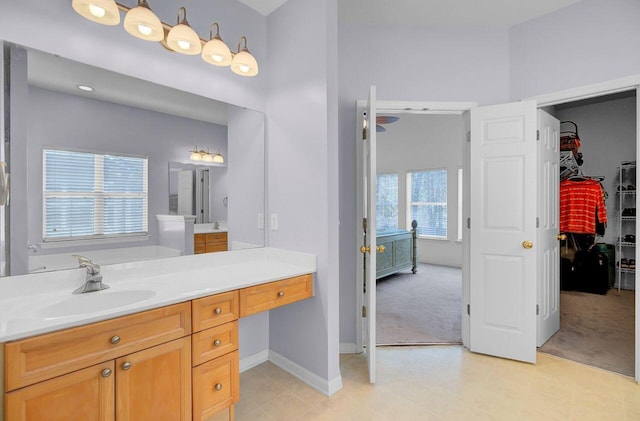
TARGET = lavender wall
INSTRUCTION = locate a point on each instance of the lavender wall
(302, 182)
(71, 36)
(63, 120)
(591, 41)
(412, 64)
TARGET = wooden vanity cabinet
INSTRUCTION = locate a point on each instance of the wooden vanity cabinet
(210, 242)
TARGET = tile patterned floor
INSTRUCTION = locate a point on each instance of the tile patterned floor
(443, 383)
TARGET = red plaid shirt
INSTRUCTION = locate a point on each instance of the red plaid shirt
(579, 201)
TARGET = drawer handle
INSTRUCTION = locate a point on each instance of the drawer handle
(281, 294)
(115, 339)
(218, 310)
(126, 365)
(106, 372)
(217, 342)
(218, 386)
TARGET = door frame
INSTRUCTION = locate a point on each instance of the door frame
(399, 107)
(591, 91)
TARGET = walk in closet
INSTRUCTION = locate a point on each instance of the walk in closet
(597, 225)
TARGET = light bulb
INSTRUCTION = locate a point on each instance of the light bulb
(144, 30)
(217, 58)
(184, 44)
(244, 68)
(97, 11)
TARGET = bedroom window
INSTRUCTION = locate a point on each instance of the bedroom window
(427, 202)
(90, 195)
(387, 202)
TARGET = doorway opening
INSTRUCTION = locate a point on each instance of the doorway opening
(597, 298)
(419, 173)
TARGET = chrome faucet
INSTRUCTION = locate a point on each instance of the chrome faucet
(94, 279)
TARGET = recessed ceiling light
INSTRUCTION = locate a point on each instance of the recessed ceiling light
(85, 88)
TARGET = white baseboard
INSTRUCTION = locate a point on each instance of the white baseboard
(347, 348)
(253, 360)
(326, 387)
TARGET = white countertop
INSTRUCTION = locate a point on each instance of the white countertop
(28, 303)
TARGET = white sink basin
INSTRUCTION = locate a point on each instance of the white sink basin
(92, 302)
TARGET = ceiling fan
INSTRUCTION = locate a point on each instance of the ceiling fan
(384, 119)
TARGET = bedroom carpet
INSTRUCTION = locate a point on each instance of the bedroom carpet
(420, 309)
(597, 330)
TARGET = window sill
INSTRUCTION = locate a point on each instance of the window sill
(92, 241)
(423, 237)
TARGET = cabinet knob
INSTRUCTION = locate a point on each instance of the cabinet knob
(218, 310)
(126, 365)
(281, 294)
(217, 342)
(106, 372)
(115, 339)
(218, 386)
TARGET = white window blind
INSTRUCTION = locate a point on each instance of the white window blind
(387, 202)
(88, 195)
(427, 197)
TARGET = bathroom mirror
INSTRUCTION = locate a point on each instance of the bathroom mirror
(131, 117)
(199, 190)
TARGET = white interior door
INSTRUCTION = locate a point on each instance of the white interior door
(185, 192)
(369, 235)
(547, 245)
(503, 231)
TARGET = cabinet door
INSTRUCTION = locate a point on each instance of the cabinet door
(86, 395)
(155, 384)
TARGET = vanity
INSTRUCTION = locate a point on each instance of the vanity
(158, 349)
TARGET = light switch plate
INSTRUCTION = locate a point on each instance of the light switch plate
(274, 221)
(261, 221)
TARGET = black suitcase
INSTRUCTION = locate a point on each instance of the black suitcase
(567, 275)
(591, 272)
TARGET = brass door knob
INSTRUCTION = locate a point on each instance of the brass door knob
(380, 249)
(527, 244)
(562, 237)
(365, 249)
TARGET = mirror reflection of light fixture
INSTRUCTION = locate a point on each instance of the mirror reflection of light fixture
(205, 156)
(141, 22)
(101, 11)
(182, 39)
(243, 63)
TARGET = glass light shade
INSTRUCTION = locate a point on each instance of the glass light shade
(218, 158)
(207, 157)
(100, 11)
(142, 23)
(244, 64)
(216, 52)
(182, 39)
(195, 156)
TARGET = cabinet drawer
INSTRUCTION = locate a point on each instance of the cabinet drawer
(46, 356)
(275, 294)
(86, 394)
(199, 239)
(216, 385)
(217, 237)
(212, 343)
(199, 248)
(214, 310)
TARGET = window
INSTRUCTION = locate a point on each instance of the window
(387, 202)
(88, 195)
(427, 193)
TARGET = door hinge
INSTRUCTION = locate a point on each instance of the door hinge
(468, 223)
(364, 311)
(469, 309)
(468, 136)
(537, 310)
(537, 222)
(364, 224)
(537, 134)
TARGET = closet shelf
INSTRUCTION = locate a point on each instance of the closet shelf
(628, 218)
(626, 244)
(627, 192)
(625, 270)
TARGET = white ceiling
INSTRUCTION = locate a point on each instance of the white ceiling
(493, 13)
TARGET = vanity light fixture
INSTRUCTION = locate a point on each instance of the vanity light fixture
(141, 22)
(205, 156)
(182, 39)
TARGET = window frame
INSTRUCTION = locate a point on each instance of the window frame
(99, 196)
(410, 203)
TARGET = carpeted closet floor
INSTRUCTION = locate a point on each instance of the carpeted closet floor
(597, 330)
(420, 308)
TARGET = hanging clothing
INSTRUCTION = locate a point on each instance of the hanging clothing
(581, 206)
